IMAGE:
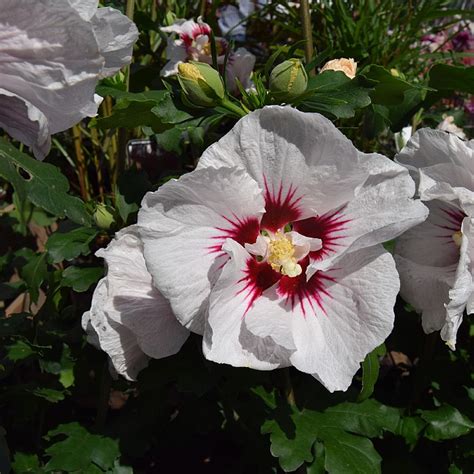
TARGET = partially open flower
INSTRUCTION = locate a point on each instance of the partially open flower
(347, 65)
(435, 258)
(191, 41)
(129, 319)
(271, 247)
(52, 54)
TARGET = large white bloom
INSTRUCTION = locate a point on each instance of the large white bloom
(271, 248)
(52, 54)
(129, 319)
(434, 258)
(190, 41)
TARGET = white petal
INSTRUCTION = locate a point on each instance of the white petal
(463, 286)
(301, 157)
(24, 122)
(50, 58)
(85, 8)
(240, 65)
(227, 339)
(354, 318)
(183, 226)
(115, 339)
(134, 302)
(116, 35)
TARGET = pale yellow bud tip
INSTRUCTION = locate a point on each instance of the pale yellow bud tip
(190, 71)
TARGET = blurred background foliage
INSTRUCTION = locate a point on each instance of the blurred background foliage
(411, 406)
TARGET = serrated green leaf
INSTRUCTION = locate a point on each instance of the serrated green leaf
(69, 245)
(370, 372)
(350, 454)
(20, 350)
(317, 466)
(80, 449)
(34, 273)
(23, 462)
(80, 279)
(41, 183)
(446, 422)
(66, 373)
(369, 418)
(333, 94)
(131, 188)
(292, 435)
(49, 394)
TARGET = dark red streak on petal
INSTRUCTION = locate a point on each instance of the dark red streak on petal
(299, 291)
(280, 210)
(327, 227)
(259, 276)
(241, 230)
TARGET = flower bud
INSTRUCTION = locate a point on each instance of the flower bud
(103, 216)
(201, 84)
(347, 65)
(288, 80)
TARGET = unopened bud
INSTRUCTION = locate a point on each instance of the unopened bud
(288, 80)
(201, 84)
(103, 216)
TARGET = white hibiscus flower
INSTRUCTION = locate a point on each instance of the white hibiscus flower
(190, 41)
(52, 54)
(271, 247)
(129, 319)
(434, 258)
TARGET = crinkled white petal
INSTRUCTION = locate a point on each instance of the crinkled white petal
(86, 8)
(182, 226)
(239, 66)
(133, 301)
(116, 35)
(115, 339)
(24, 122)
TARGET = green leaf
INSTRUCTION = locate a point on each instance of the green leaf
(132, 186)
(370, 372)
(447, 79)
(11, 289)
(49, 394)
(350, 454)
(446, 422)
(23, 462)
(69, 245)
(80, 449)
(34, 273)
(333, 94)
(41, 183)
(155, 109)
(66, 374)
(80, 279)
(369, 418)
(410, 427)
(22, 349)
(317, 466)
(292, 435)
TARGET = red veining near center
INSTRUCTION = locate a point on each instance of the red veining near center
(327, 227)
(280, 209)
(243, 231)
(298, 290)
(259, 276)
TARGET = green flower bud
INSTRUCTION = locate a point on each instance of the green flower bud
(288, 80)
(103, 216)
(201, 84)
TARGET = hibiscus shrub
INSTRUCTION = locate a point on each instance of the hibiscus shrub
(248, 245)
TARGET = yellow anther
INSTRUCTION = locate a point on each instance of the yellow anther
(281, 256)
(190, 71)
(457, 237)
